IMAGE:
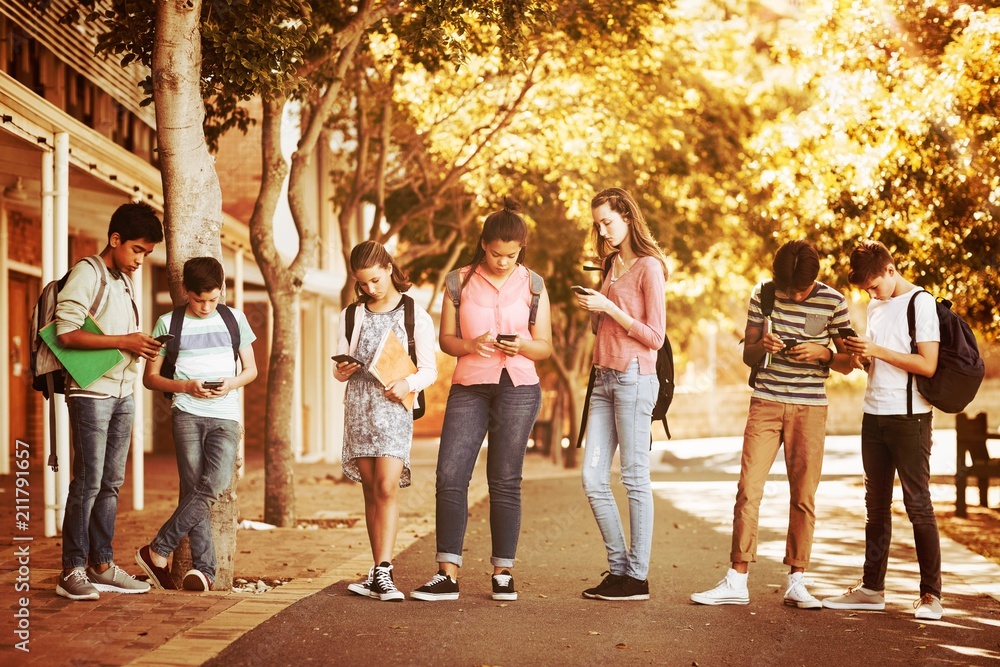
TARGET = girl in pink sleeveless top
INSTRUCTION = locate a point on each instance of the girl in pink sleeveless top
(494, 394)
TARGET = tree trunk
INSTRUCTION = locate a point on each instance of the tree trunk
(279, 473)
(192, 205)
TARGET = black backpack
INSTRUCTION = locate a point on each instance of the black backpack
(960, 369)
(664, 375)
(174, 344)
(409, 319)
(766, 308)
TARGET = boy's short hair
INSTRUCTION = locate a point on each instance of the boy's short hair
(868, 259)
(796, 265)
(203, 274)
(136, 220)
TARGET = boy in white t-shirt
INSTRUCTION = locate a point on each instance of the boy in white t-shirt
(896, 427)
(206, 418)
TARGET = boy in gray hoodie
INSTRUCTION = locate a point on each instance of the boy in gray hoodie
(101, 414)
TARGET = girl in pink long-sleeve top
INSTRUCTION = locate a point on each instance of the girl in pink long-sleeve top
(629, 318)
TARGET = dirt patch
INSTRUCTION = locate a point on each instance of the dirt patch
(980, 531)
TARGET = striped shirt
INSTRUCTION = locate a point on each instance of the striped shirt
(206, 353)
(814, 320)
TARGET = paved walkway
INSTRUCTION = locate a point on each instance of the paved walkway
(694, 483)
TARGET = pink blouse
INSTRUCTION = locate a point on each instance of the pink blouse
(485, 308)
(639, 292)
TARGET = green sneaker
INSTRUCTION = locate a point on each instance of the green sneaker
(76, 586)
(116, 580)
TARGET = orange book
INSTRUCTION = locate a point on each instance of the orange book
(392, 362)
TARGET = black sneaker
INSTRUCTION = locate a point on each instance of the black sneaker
(626, 588)
(503, 586)
(609, 580)
(363, 587)
(159, 577)
(440, 587)
(383, 587)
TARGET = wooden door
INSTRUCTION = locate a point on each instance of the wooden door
(25, 404)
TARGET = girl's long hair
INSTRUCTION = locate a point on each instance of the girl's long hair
(368, 254)
(504, 225)
(640, 238)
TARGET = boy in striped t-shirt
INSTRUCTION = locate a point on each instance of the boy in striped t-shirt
(206, 419)
(788, 406)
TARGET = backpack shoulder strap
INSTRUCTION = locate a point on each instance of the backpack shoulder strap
(234, 328)
(453, 285)
(911, 324)
(349, 321)
(767, 298)
(174, 344)
(537, 285)
(98, 264)
(409, 321)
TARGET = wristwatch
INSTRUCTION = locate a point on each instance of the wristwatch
(826, 364)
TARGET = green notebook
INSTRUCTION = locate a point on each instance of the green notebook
(84, 365)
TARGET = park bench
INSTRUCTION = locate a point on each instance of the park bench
(973, 459)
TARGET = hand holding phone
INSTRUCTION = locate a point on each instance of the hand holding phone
(789, 343)
(346, 359)
(506, 337)
(582, 291)
(847, 332)
(212, 384)
(163, 339)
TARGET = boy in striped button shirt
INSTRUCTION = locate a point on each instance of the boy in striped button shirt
(788, 407)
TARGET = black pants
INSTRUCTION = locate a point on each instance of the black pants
(891, 444)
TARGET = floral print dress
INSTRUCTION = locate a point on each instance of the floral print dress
(374, 426)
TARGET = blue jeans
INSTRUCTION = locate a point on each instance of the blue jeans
(620, 412)
(891, 444)
(507, 413)
(101, 430)
(206, 450)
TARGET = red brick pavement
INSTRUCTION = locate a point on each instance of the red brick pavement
(176, 627)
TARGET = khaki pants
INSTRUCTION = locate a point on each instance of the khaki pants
(802, 428)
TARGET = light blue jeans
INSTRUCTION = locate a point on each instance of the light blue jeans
(101, 431)
(206, 450)
(506, 413)
(620, 414)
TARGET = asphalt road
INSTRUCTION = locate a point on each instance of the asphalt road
(561, 553)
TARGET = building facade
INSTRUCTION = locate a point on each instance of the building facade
(75, 143)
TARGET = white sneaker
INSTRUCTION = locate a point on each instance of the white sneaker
(797, 595)
(928, 608)
(731, 590)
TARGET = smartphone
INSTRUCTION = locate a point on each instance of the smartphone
(789, 343)
(506, 338)
(580, 290)
(164, 339)
(346, 359)
(212, 384)
(847, 332)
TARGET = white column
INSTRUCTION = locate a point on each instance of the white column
(139, 416)
(238, 304)
(5, 344)
(298, 432)
(60, 264)
(48, 275)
